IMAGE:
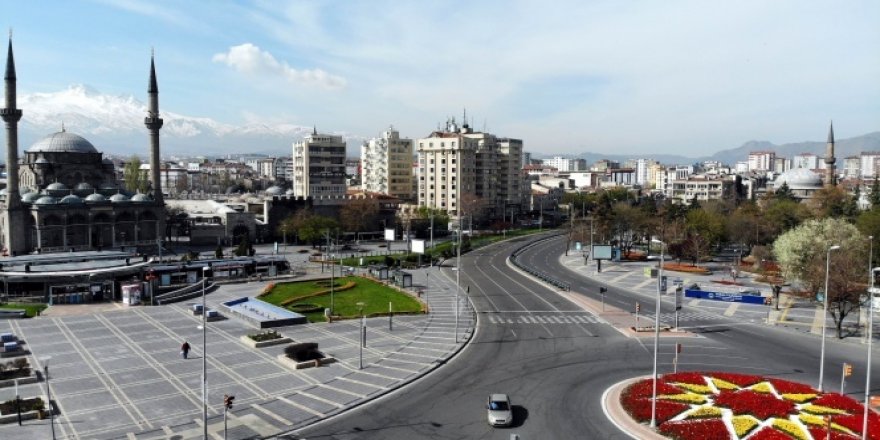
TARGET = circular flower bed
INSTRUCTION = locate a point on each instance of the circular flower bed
(729, 406)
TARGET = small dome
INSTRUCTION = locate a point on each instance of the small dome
(274, 191)
(83, 186)
(798, 178)
(140, 198)
(57, 186)
(42, 161)
(71, 200)
(62, 142)
(108, 188)
(95, 198)
(288, 192)
(46, 200)
(119, 197)
(30, 197)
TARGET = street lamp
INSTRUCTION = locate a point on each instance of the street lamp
(825, 313)
(362, 334)
(870, 333)
(204, 356)
(656, 337)
(45, 361)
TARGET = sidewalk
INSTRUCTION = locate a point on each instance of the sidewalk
(119, 373)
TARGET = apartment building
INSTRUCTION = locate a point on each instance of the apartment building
(869, 165)
(319, 166)
(705, 187)
(805, 160)
(762, 160)
(386, 165)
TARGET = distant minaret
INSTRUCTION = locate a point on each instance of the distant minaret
(829, 158)
(154, 123)
(13, 236)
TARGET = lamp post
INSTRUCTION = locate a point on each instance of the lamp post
(825, 313)
(362, 337)
(45, 361)
(457, 276)
(870, 333)
(656, 338)
(204, 357)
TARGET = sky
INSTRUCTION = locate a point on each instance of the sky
(639, 77)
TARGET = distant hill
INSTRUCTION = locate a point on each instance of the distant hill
(842, 148)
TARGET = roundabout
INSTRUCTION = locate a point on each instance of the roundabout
(720, 405)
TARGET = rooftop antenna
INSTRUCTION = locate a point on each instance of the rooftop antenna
(62, 126)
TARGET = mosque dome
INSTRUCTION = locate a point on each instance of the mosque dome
(119, 197)
(30, 197)
(71, 200)
(57, 189)
(274, 191)
(62, 142)
(288, 192)
(46, 200)
(140, 198)
(95, 198)
(83, 189)
(798, 179)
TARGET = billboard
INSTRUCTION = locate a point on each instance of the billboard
(131, 293)
(601, 252)
(418, 246)
(389, 235)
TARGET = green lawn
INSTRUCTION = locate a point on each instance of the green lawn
(375, 297)
(30, 309)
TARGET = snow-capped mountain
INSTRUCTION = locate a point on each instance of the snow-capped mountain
(115, 124)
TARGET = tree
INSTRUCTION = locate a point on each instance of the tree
(358, 214)
(874, 196)
(629, 225)
(175, 221)
(802, 255)
(833, 202)
(705, 228)
(311, 228)
(287, 227)
(244, 247)
(135, 179)
(780, 216)
(784, 193)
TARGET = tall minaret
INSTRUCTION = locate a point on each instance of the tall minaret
(13, 233)
(829, 158)
(154, 123)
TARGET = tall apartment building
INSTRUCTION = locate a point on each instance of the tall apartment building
(762, 160)
(643, 171)
(852, 167)
(564, 164)
(319, 166)
(805, 160)
(386, 164)
(869, 165)
(458, 164)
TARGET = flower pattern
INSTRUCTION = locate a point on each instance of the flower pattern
(720, 405)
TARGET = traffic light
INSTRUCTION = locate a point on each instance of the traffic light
(602, 290)
(227, 401)
(638, 307)
(847, 370)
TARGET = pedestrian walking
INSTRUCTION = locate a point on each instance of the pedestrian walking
(184, 349)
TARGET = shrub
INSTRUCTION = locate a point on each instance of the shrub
(265, 336)
(303, 351)
(20, 363)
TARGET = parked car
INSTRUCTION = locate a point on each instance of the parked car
(500, 413)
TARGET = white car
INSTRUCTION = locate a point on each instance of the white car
(500, 411)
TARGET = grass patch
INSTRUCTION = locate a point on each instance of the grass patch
(374, 295)
(30, 309)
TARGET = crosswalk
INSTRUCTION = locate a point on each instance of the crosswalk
(542, 319)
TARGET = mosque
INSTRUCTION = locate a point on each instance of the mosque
(64, 196)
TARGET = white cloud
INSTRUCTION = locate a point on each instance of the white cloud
(250, 59)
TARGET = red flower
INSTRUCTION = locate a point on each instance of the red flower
(640, 409)
(645, 388)
(786, 387)
(839, 401)
(708, 429)
(742, 380)
(768, 433)
(854, 423)
(691, 378)
(819, 432)
(761, 405)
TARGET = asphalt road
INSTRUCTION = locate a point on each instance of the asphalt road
(555, 360)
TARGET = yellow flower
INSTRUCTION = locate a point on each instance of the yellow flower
(790, 428)
(699, 389)
(724, 385)
(811, 419)
(762, 387)
(704, 412)
(686, 397)
(743, 425)
(798, 398)
(821, 410)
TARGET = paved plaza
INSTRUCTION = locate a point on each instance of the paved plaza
(119, 373)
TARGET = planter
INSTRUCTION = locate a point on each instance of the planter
(292, 364)
(260, 344)
(33, 378)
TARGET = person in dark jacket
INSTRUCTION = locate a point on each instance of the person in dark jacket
(184, 349)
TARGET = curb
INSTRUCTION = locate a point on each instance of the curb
(620, 419)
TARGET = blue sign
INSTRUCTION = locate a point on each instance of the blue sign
(725, 296)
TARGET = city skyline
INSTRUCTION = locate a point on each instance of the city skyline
(693, 77)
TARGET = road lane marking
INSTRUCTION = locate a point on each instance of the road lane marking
(731, 309)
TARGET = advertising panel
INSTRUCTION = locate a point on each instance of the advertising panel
(389, 235)
(131, 293)
(601, 252)
(418, 246)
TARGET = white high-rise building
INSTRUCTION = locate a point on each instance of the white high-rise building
(565, 165)
(805, 160)
(869, 163)
(643, 171)
(386, 165)
(319, 166)
(457, 165)
(762, 160)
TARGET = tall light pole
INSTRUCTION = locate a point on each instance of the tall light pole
(45, 361)
(204, 357)
(656, 338)
(870, 340)
(457, 276)
(825, 313)
(361, 336)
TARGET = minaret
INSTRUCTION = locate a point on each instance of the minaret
(829, 158)
(13, 232)
(154, 123)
